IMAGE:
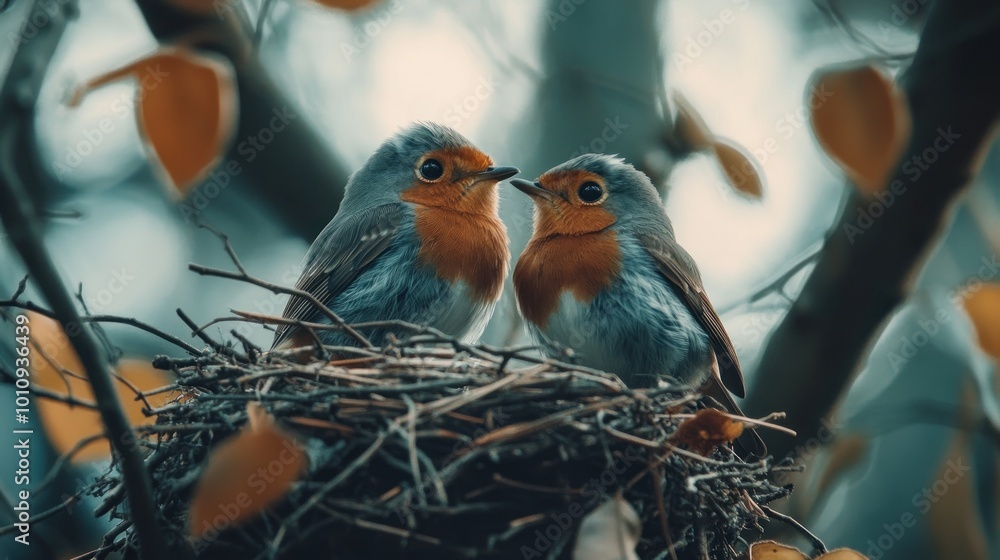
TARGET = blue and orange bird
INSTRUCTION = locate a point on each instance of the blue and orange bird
(417, 238)
(604, 275)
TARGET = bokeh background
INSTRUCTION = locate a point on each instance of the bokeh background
(532, 83)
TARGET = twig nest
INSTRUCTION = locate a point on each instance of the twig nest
(454, 452)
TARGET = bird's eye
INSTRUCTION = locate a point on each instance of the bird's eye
(590, 192)
(431, 170)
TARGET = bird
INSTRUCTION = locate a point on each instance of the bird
(604, 275)
(417, 238)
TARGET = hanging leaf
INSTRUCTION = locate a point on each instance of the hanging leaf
(66, 425)
(231, 489)
(610, 532)
(689, 128)
(862, 122)
(186, 108)
(708, 429)
(983, 308)
(739, 168)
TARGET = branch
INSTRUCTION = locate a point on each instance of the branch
(33, 307)
(17, 108)
(278, 289)
(862, 275)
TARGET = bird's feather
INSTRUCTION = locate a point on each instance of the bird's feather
(341, 252)
(677, 266)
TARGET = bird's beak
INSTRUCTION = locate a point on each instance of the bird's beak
(494, 174)
(534, 190)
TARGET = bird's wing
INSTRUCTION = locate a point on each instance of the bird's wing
(677, 266)
(340, 253)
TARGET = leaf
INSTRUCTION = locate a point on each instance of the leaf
(739, 168)
(689, 128)
(186, 108)
(66, 425)
(862, 122)
(983, 307)
(245, 475)
(610, 532)
(770, 550)
(708, 429)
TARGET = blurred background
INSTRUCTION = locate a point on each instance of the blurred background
(270, 115)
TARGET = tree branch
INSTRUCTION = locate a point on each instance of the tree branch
(863, 274)
(17, 104)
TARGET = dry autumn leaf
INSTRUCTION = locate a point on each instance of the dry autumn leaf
(708, 429)
(186, 107)
(245, 475)
(610, 532)
(983, 308)
(739, 168)
(862, 122)
(689, 127)
(736, 164)
(66, 425)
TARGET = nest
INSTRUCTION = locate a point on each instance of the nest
(430, 448)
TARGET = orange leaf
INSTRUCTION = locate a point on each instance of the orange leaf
(689, 127)
(708, 429)
(770, 550)
(739, 168)
(186, 110)
(862, 122)
(245, 475)
(66, 425)
(983, 307)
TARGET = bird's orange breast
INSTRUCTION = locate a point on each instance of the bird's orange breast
(464, 246)
(581, 264)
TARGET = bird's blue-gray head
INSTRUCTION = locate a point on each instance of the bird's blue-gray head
(591, 193)
(427, 164)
